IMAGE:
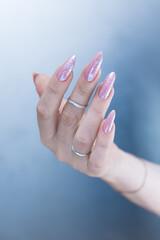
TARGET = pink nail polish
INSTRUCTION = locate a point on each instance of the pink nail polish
(94, 66)
(109, 121)
(66, 69)
(106, 86)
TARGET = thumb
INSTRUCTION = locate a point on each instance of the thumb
(40, 81)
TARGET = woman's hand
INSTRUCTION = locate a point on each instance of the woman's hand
(61, 124)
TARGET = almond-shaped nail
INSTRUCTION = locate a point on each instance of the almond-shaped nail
(66, 69)
(94, 66)
(109, 121)
(107, 86)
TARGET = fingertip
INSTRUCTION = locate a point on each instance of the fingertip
(35, 75)
(40, 81)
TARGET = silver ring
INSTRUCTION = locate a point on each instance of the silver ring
(80, 154)
(76, 104)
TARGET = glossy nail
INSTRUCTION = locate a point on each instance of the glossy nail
(94, 66)
(109, 121)
(66, 69)
(107, 86)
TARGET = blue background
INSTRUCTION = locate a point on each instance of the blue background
(41, 198)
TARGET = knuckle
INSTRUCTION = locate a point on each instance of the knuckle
(48, 141)
(42, 111)
(81, 142)
(62, 154)
(96, 166)
(103, 146)
(68, 118)
(52, 89)
(59, 155)
(45, 140)
(98, 112)
(82, 90)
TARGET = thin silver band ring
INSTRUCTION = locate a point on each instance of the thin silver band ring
(80, 154)
(76, 104)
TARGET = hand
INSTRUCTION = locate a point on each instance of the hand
(61, 124)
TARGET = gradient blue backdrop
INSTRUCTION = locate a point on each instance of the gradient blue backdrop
(41, 198)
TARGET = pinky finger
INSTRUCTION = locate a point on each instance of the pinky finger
(104, 142)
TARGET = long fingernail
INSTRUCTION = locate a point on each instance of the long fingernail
(66, 69)
(94, 66)
(107, 86)
(109, 121)
(35, 75)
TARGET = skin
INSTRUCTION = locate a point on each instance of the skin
(61, 124)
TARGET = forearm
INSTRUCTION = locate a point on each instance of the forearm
(127, 173)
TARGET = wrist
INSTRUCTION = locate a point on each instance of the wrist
(113, 165)
(125, 171)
